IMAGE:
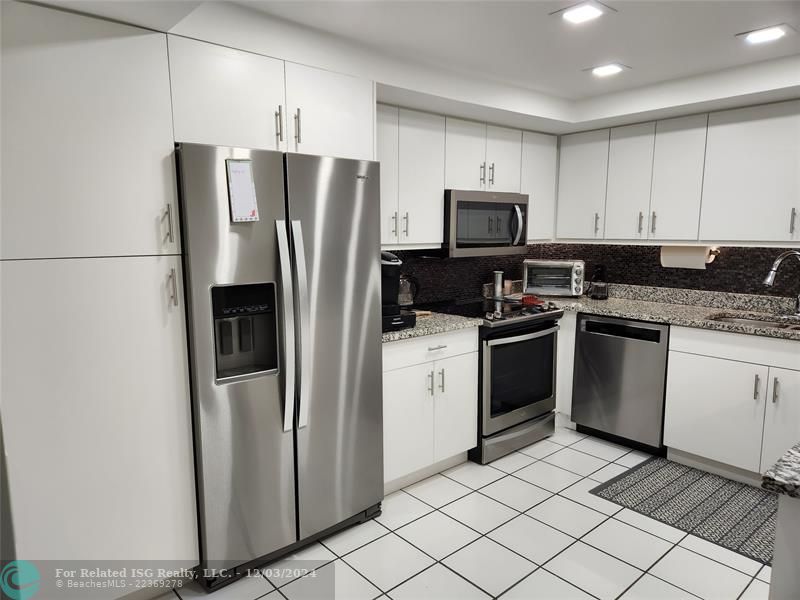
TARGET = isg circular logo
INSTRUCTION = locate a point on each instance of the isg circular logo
(19, 580)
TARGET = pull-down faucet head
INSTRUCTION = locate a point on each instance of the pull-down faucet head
(769, 280)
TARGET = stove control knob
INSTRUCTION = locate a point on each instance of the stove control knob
(578, 271)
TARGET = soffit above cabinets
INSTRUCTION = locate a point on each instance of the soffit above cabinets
(523, 44)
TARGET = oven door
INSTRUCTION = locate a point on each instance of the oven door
(519, 377)
(485, 223)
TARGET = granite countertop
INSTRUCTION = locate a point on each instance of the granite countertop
(784, 476)
(430, 325)
(676, 314)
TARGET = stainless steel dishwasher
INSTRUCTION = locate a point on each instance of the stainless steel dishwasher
(620, 377)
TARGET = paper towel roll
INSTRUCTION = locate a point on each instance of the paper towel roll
(687, 257)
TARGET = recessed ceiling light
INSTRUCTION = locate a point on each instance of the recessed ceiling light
(606, 70)
(580, 13)
(765, 34)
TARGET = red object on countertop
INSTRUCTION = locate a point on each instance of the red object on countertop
(531, 300)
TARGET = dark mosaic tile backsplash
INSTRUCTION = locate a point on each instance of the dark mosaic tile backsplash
(740, 270)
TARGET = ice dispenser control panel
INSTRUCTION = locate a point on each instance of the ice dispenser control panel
(245, 330)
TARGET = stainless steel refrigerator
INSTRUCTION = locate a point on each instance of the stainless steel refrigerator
(281, 259)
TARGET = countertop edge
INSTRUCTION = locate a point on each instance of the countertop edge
(433, 324)
(784, 476)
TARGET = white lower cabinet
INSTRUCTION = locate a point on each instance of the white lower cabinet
(96, 411)
(782, 419)
(715, 408)
(430, 400)
(455, 405)
(732, 398)
(408, 416)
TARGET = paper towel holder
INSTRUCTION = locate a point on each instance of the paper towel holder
(688, 257)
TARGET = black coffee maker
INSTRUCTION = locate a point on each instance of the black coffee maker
(393, 316)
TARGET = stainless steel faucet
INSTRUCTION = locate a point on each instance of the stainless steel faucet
(770, 278)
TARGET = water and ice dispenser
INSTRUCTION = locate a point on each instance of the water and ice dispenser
(245, 329)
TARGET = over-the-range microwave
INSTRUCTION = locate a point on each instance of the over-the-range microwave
(484, 223)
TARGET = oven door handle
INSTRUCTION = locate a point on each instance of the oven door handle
(520, 224)
(522, 338)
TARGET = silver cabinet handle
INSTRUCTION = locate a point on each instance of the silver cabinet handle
(287, 295)
(491, 174)
(405, 229)
(596, 223)
(168, 216)
(304, 321)
(498, 225)
(641, 222)
(441, 376)
(756, 386)
(172, 278)
(297, 135)
(279, 123)
(490, 225)
(653, 222)
(792, 219)
(483, 172)
(430, 386)
(435, 348)
(775, 384)
(394, 224)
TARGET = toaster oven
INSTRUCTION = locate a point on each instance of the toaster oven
(553, 277)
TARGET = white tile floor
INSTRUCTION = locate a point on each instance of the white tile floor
(525, 527)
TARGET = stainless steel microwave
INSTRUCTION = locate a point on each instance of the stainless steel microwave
(553, 277)
(485, 223)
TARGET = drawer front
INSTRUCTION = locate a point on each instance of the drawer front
(428, 348)
(736, 346)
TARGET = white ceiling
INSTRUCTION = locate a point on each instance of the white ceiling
(521, 44)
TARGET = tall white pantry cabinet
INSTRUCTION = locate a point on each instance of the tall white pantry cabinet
(95, 401)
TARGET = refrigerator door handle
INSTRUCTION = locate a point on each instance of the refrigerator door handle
(304, 318)
(288, 329)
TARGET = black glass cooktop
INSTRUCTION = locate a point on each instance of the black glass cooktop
(492, 312)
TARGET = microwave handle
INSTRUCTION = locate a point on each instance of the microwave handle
(520, 224)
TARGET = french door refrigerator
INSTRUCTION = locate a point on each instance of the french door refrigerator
(281, 257)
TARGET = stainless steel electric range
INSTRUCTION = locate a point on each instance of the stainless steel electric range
(517, 376)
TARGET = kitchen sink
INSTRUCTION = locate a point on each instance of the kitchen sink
(776, 322)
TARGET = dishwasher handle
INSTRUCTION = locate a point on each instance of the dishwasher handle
(618, 328)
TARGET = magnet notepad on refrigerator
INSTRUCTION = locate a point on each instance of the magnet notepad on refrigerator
(241, 191)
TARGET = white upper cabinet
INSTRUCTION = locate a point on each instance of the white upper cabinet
(388, 148)
(96, 410)
(751, 189)
(329, 114)
(503, 159)
(226, 97)
(582, 185)
(680, 149)
(87, 148)
(465, 163)
(421, 177)
(782, 421)
(538, 181)
(630, 163)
